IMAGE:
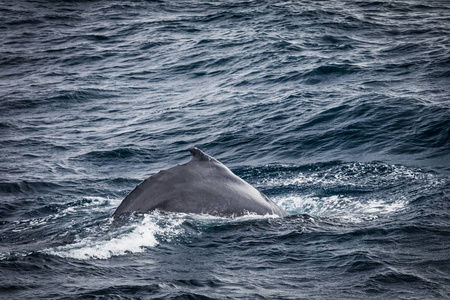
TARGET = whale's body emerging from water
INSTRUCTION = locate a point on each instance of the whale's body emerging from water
(201, 186)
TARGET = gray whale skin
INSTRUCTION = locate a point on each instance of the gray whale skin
(201, 186)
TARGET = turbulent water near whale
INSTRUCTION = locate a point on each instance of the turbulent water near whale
(339, 111)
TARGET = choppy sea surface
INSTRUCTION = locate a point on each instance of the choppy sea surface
(339, 111)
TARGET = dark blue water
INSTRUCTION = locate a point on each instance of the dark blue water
(339, 111)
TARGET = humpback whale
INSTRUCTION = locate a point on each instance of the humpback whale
(201, 186)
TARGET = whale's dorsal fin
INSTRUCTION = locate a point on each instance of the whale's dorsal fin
(201, 186)
(199, 155)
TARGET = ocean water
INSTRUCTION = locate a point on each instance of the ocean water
(338, 110)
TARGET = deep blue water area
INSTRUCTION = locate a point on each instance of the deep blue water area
(339, 111)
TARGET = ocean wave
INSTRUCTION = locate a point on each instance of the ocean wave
(24, 187)
(119, 153)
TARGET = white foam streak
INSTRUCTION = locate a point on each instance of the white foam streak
(342, 207)
(141, 236)
(350, 191)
